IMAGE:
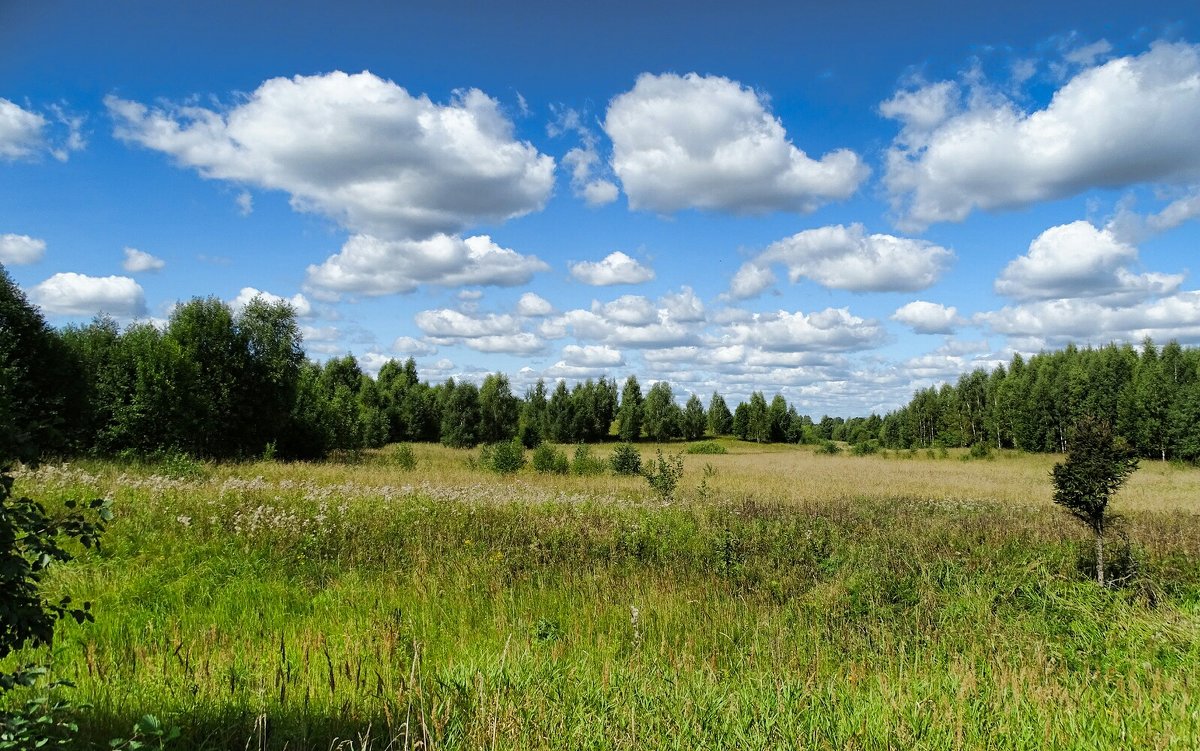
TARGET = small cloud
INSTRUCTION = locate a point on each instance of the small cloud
(300, 304)
(137, 261)
(928, 317)
(533, 306)
(245, 203)
(410, 347)
(17, 250)
(616, 268)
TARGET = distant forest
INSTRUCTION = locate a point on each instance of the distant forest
(221, 384)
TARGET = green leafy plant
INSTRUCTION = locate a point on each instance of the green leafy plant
(706, 447)
(1097, 465)
(505, 457)
(548, 460)
(625, 459)
(663, 474)
(584, 463)
(829, 448)
(402, 456)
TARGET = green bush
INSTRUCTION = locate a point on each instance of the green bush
(664, 474)
(706, 447)
(180, 466)
(980, 451)
(625, 459)
(586, 464)
(865, 448)
(829, 448)
(548, 460)
(505, 458)
(403, 457)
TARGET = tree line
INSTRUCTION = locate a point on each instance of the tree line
(219, 383)
(1151, 398)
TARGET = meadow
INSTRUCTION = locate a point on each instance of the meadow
(782, 599)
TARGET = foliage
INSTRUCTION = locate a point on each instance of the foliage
(629, 416)
(625, 459)
(549, 460)
(865, 448)
(720, 419)
(706, 447)
(44, 721)
(585, 463)
(505, 457)
(829, 448)
(694, 419)
(1096, 466)
(661, 415)
(663, 474)
(402, 456)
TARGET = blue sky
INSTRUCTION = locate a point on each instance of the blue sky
(839, 203)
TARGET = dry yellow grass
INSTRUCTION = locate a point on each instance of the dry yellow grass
(777, 473)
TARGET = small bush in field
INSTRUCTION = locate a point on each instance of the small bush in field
(586, 464)
(548, 460)
(829, 448)
(180, 466)
(980, 451)
(706, 447)
(402, 456)
(625, 459)
(504, 458)
(664, 474)
(865, 448)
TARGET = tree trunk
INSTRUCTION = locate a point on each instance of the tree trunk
(1100, 557)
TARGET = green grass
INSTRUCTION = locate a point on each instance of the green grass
(321, 605)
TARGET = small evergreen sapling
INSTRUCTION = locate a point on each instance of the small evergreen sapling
(1097, 465)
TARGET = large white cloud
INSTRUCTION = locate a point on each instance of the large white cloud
(707, 142)
(358, 149)
(592, 356)
(1127, 121)
(615, 268)
(16, 250)
(829, 330)
(484, 333)
(74, 294)
(1080, 260)
(1055, 322)
(21, 131)
(847, 258)
(928, 317)
(368, 265)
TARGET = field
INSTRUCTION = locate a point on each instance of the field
(783, 599)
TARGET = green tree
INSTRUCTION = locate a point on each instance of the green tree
(694, 419)
(1096, 466)
(661, 414)
(758, 419)
(629, 416)
(720, 419)
(498, 409)
(532, 425)
(560, 414)
(460, 414)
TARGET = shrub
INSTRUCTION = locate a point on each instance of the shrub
(505, 458)
(586, 464)
(180, 466)
(980, 451)
(706, 447)
(663, 474)
(548, 460)
(829, 448)
(625, 459)
(865, 448)
(403, 457)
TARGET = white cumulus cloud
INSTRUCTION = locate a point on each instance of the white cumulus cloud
(928, 317)
(1127, 121)
(707, 142)
(370, 266)
(1080, 260)
(137, 261)
(592, 356)
(532, 305)
(74, 294)
(358, 149)
(16, 250)
(300, 304)
(20, 131)
(829, 330)
(841, 257)
(616, 268)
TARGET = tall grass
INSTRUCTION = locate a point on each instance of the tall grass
(799, 601)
